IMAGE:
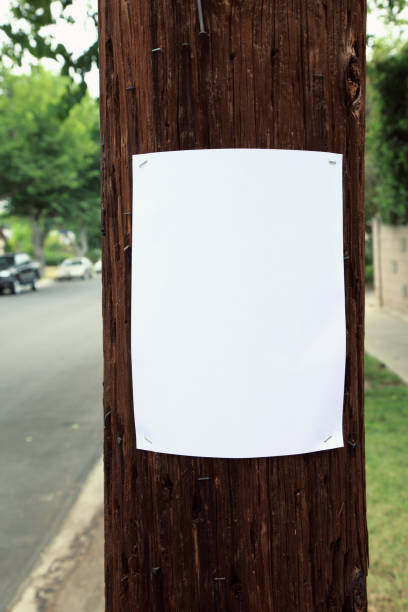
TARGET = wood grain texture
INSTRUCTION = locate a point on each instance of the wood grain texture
(190, 534)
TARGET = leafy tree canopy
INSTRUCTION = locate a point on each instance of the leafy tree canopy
(49, 157)
(25, 36)
(388, 132)
(80, 133)
(33, 175)
(390, 10)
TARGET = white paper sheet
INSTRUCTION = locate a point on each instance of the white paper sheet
(238, 310)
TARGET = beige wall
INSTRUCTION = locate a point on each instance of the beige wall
(390, 245)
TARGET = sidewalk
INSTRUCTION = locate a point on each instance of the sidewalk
(69, 576)
(386, 336)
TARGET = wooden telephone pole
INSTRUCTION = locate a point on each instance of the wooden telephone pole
(190, 534)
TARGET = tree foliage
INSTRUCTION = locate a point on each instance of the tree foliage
(25, 35)
(49, 161)
(33, 174)
(389, 10)
(80, 133)
(388, 132)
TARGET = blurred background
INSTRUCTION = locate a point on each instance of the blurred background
(50, 307)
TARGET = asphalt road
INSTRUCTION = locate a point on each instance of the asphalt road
(50, 416)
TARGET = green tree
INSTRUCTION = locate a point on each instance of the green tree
(390, 10)
(27, 34)
(371, 172)
(388, 134)
(48, 151)
(21, 234)
(81, 143)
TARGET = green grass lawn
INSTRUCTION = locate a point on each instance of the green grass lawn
(386, 418)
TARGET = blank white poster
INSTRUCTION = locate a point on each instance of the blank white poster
(238, 309)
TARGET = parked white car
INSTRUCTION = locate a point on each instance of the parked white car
(77, 267)
(98, 267)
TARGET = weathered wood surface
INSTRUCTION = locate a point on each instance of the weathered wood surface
(284, 534)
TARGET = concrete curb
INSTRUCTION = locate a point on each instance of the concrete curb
(62, 555)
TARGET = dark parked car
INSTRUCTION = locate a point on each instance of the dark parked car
(17, 270)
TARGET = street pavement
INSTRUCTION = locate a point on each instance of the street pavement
(50, 416)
